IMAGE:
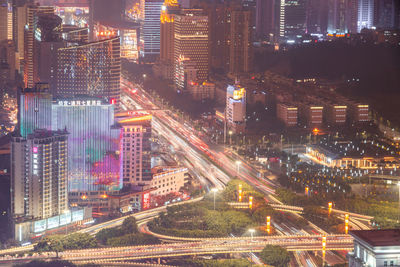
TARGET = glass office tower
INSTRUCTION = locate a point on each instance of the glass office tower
(93, 143)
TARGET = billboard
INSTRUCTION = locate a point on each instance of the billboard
(39, 226)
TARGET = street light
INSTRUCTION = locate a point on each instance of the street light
(238, 163)
(398, 184)
(230, 137)
(214, 190)
(251, 233)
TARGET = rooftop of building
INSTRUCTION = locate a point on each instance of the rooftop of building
(356, 148)
(378, 238)
(165, 170)
(44, 133)
(134, 118)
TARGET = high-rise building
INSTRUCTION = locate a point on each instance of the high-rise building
(387, 14)
(91, 69)
(265, 18)
(93, 160)
(34, 108)
(365, 14)
(5, 20)
(39, 174)
(31, 43)
(135, 149)
(317, 16)
(342, 16)
(168, 12)
(292, 19)
(240, 41)
(19, 10)
(192, 40)
(50, 42)
(150, 35)
(235, 111)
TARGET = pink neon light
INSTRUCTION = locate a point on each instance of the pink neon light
(35, 150)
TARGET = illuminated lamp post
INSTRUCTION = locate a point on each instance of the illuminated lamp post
(306, 190)
(330, 207)
(240, 192)
(252, 233)
(230, 137)
(250, 202)
(323, 249)
(268, 224)
(214, 190)
(346, 223)
(238, 163)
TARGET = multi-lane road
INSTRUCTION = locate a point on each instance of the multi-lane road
(205, 246)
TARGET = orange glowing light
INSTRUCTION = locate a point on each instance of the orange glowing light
(137, 119)
(316, 131)
(250, 202)
(84, 197)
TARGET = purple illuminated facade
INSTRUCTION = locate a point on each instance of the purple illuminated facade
(93, 146)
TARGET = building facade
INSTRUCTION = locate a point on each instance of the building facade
(39, 174)
(192, 41)
(31, 43)
(92, 69)
(235, 111)
(342, 16)
(167, 180)
(34, 109)
(135, 149)
(365, 14)
(6, 20)
(150, 34)
(287, 113)
(185, 72)
(375, 248)
(93, 161)
(240, 41)
(292, 19)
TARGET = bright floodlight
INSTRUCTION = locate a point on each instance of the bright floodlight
(214, 190)
(238, 162)
(252, 230)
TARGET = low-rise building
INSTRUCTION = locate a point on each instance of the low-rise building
(167, 180)
(287, 113)
(375, 248)
(311, 114)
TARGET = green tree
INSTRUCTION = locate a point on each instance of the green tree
(51, 243)
(129, 226)
(79, 241)
(275, 255)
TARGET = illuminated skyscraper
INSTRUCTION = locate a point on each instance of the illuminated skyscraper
(292, 18)
(235, 111)
(265, 18)
(39, 174)
(342, 16)
(92, 69)
(365, 14)
(34, 109)
(150, 36)
(135, 150)
(168, 12)
(5, 20)
(93, 160)
(387, 14)
(240, 41)
(31, 43)
(192, 41)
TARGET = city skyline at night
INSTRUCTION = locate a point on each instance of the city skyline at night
(200, 133)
